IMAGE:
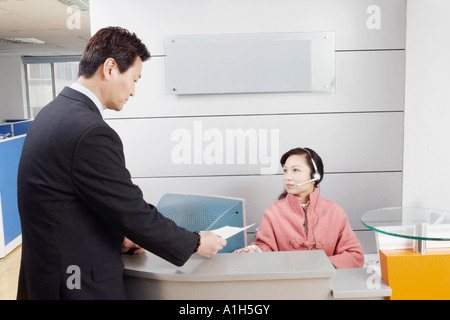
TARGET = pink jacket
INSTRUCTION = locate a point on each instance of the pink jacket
(328, 229)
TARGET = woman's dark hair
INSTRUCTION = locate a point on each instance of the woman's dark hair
(308, 153)
(112, 42)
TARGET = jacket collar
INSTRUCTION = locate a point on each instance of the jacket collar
(76, 95)
(296, 202)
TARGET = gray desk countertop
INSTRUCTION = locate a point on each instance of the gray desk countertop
(234, 266)
(359, 283)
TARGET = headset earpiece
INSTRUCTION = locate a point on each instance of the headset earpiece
(315, 175)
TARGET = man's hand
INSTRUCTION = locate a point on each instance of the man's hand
(210, 244)
(129, 246)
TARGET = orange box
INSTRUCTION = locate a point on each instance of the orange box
(415, 276)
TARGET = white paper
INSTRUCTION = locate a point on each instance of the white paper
(227, 231)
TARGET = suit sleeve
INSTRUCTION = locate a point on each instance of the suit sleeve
(102, 181)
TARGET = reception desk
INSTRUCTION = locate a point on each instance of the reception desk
(288, 275)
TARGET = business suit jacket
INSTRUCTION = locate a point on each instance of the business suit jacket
(77, 202)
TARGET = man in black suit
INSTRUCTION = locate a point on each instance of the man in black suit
(78, 206)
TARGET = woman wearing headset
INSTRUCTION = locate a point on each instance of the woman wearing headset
(302, 220)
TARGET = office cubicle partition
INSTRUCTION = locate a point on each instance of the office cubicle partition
(6, 130)
(14, 128)
(21, 127)
(12, 137)
(10, 231)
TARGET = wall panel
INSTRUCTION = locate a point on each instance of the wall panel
(351, 142)
(365, 81)
(362, 191)
(354, 21)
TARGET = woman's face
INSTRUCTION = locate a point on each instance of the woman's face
(296, 170)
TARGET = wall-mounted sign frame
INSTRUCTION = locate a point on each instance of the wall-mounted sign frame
(250, 63)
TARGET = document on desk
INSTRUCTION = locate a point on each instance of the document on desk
(227, 231)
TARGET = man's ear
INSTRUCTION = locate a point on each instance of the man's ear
(108, 67)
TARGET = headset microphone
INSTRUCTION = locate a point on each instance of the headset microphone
(300, 184)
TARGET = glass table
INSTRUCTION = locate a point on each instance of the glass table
(419, 224)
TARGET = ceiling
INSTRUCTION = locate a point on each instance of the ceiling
(64, 30)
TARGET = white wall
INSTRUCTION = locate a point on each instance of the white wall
(358, 129)
(12, 89)
(426, 179)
